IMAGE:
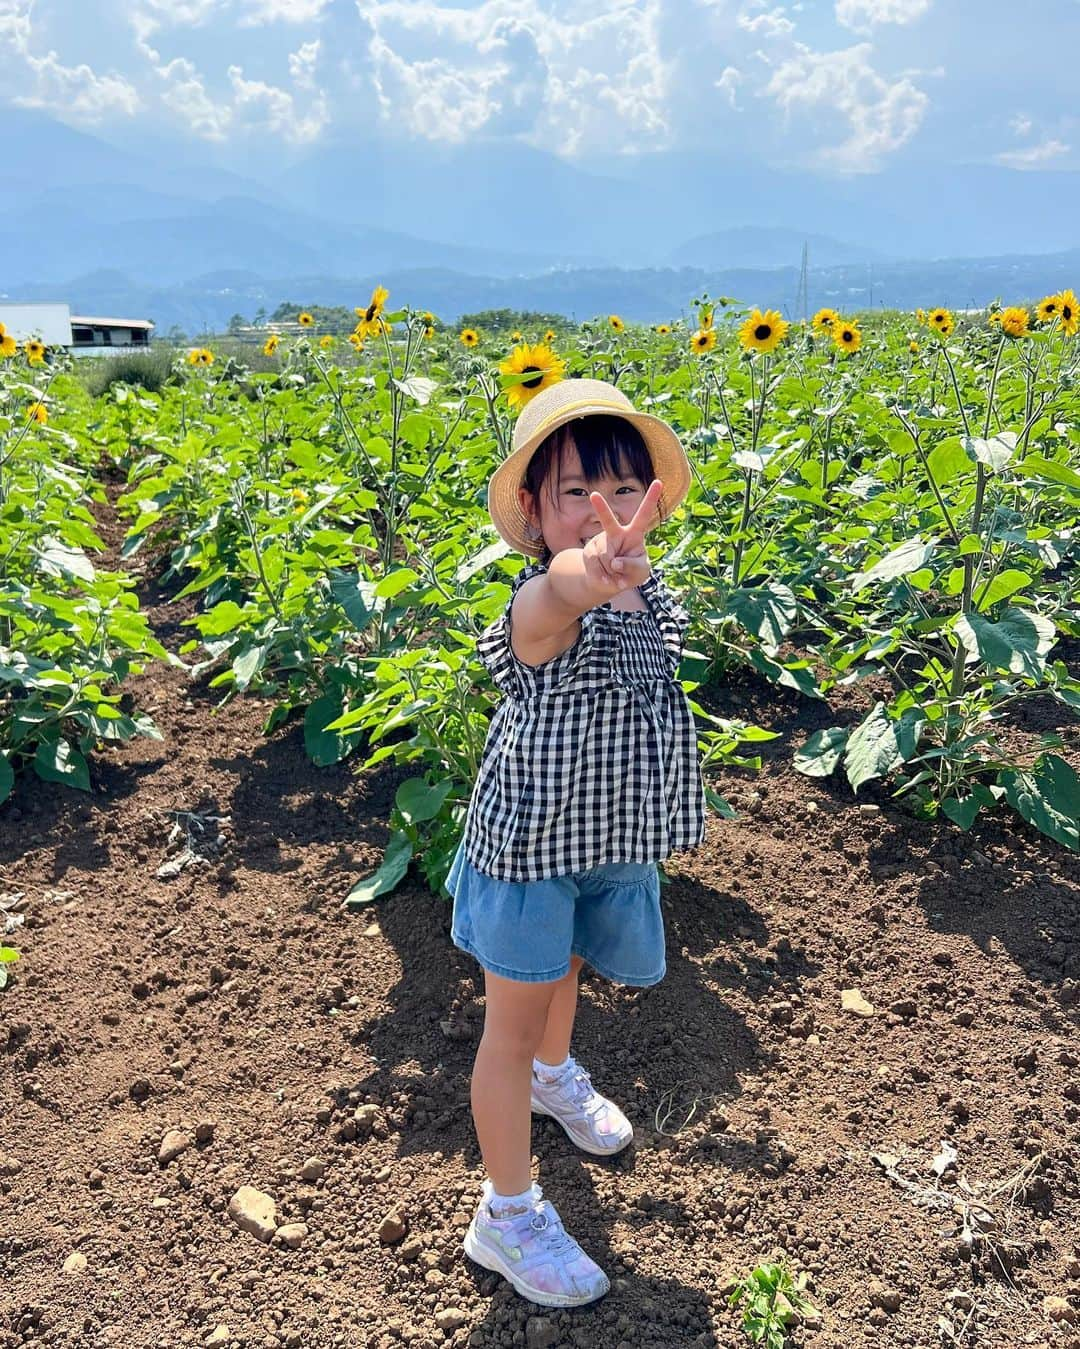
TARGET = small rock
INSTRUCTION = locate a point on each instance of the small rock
(393, 1227)
(291, 1235)
(313, 1169)
(254, 1212)
(220, 1334)
(904, 1007)
(410, 1250)
(540, 1333)
(881, 1295)
(942, 957)
(9, 1166)
(75, 1263)
(450, 1320)
(852, 1000)
(139, 1089)
(172, 1145)
(366, 1117)
(204, 1132)
(1060, 1309)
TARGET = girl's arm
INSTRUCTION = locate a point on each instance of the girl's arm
(546, 609)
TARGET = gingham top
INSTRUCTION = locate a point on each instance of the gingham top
(592, 756)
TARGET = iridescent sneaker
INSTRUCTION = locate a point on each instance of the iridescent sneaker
(592, 1121)
(535, 1253)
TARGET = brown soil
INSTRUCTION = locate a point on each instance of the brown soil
(241, 997)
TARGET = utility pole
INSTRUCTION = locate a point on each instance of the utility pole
(803, 293)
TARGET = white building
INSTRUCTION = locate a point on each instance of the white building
(56, 326)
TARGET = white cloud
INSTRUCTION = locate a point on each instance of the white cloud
(1035, 156)
(185, 94)
(276, 108)
(880, 115)
(1021, 124)
(772, 24)
(864, 14)
(730, 78)
(302, 64)
(562, 82)
(75, 93)
(282, 11)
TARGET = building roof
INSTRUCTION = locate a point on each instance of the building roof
(111, 323)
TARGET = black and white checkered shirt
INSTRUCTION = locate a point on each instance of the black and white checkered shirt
(590, 757)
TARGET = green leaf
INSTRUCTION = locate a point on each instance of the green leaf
(911, 555)
(947, 460)
(418, 387)
(795, 675)
(418, 801)
(767, 611)
(962, 811)
(354, 593)
(1047, 798)
(222, 618)
(60, 763)
(821, 752)
(7, 777)
(994, 453)
(872, 748)
(56, 558)
(323, 746)
(395, 582)
(1004, 584)
(246, 664)
(1017, 642)
(1052, 471)
(389, 875)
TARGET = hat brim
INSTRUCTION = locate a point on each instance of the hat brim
(669, 461)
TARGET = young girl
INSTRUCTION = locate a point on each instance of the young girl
(590, 776)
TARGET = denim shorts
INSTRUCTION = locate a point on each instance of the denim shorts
(527, 930)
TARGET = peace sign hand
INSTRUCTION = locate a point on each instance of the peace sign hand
(615, 559)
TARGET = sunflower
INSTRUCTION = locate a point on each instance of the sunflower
(1047, 309)
(542, 365)
(763, 332)
(663, 329)
(35, 351)
(942, 320)
(703, 340)
(920, 316)
(305, 320)
(8, 345)
(517, 337)
(705, 319)
(326, 341)
(469, 337)
(357, 341)
(1014, 321)
(913, 347)
(1067, 308)
(369, 317)
(549, 336)
(203, 356)
(846, 336)
(994, 318)
(617, 324)
(300, 496)
(270, 346)
(38, 412)
(824, 321)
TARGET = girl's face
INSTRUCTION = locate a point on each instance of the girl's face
(564, 513)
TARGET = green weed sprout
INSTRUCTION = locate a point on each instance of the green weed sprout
(774, 1297)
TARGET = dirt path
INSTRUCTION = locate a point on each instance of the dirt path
(323, 1058)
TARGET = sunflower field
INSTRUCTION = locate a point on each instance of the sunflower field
(893, 497)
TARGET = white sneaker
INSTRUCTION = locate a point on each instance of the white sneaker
(535, 1253)
(591, 1121)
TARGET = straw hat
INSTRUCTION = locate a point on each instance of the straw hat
(566, 402)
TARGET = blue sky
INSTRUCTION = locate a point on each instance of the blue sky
(848, 87)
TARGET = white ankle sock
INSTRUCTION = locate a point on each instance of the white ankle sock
(503, 1205)
(549, 1072)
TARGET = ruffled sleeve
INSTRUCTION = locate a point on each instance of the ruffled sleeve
(518, 680)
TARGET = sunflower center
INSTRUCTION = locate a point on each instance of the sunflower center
(369, 313)
(762, 331)
(1066, 312)
(537, 376)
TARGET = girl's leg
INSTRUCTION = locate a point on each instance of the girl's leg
(514, 1020)
(562, 1009)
